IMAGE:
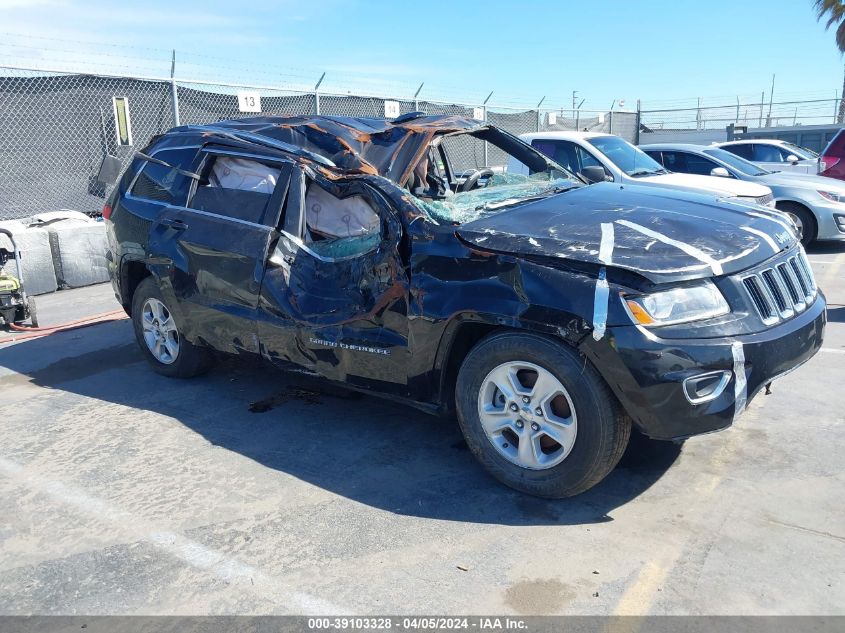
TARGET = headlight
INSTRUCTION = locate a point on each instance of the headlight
(832, 196)
(677, 305)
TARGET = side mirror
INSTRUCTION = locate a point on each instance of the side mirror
(720, 172)
(792, 158)
(594, 174)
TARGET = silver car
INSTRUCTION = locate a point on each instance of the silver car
(775, 155)
(815, 203)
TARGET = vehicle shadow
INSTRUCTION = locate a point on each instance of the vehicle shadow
(375, 452)
(826, 248)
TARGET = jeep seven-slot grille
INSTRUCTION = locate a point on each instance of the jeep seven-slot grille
(783, 289)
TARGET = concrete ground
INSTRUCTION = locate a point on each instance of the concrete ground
(123, 492)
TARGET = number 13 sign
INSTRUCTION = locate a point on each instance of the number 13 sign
(249, 102)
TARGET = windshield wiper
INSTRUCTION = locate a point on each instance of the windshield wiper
(646, 172)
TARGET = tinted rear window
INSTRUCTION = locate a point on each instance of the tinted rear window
(162, 183)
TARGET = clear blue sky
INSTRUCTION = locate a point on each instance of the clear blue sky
(657, 50)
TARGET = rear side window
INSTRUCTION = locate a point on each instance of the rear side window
(562, 152)
(164, 183)
(688, 163)
(744, 150)
(239, 188)
(768, 154)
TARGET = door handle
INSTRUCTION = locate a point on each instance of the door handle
(173, 223)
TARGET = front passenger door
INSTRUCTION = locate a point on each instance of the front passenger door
(337, 306)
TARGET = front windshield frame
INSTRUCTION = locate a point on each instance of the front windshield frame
(638, 163)
(736, 162)
(508, 189)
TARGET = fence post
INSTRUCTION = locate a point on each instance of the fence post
(639, 119)
(174, 91)
(484, 105)
(417, 94)
(762, 105)
(317, 94)
(539, 115)
(835, 105)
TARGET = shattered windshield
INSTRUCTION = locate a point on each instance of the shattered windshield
(501, 192)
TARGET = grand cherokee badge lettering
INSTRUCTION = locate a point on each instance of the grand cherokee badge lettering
(354, 348)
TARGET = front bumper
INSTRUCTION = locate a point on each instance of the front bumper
(647, 373)
(827, 215)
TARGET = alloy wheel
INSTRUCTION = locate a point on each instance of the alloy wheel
(528, 415)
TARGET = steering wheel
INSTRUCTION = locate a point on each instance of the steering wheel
(472, 180)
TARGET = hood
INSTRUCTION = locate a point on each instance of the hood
(723, 186)
(663, 236)
(797, 179)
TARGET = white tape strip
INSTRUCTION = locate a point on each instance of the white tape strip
(606, 246)
(767, 238)
(600, 305)
(700, 255)
(740, 380)
(788, 225)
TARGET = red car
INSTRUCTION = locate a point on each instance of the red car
(833, 157)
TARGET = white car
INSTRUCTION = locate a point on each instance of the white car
(598, 157)
(775, 155)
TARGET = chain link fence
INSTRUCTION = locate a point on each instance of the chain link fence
(56, 128)
(749, 114)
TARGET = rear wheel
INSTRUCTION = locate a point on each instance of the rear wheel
(538, 416)
(803, 218)
(159, 337)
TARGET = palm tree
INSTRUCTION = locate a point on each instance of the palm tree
(834, 12)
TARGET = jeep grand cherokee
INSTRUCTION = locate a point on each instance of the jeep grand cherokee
(400, 258)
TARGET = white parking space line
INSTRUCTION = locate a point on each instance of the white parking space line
(832, 351)
(195, 554)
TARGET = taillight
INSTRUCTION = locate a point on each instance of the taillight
(106, 211)
(828, 162)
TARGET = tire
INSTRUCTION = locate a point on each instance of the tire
(591, 445)
(806, 220)
(182, 360)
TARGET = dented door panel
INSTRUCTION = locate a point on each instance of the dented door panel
(345, 318)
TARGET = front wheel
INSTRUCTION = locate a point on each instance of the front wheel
(158, 335)
(538, 416)
(803, 220)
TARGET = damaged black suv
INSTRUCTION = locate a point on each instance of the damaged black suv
(401, 258)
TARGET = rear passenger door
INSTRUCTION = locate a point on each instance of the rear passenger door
(212, 251)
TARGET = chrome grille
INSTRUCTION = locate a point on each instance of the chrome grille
(783, 289)
(765, 200)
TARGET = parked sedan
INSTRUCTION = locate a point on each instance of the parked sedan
(599, 157)
(775, 155)
(815, 203)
